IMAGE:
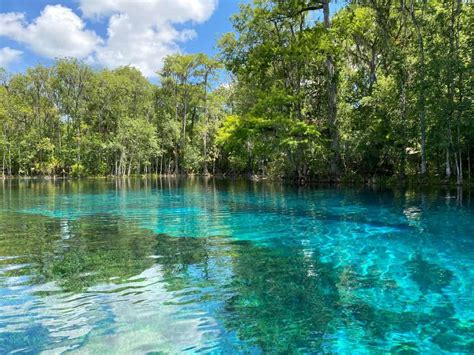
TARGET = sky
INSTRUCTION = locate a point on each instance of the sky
(109, 33)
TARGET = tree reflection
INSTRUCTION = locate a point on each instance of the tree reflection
(271, 297)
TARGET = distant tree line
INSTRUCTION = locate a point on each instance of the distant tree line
(70, 120)
(380, 88)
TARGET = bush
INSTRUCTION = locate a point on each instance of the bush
(77, 170)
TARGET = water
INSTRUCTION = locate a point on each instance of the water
(143, 266)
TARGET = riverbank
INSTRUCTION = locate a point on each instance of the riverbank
(391, 182)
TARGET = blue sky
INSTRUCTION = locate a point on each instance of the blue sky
(109, 33)
(37, 31)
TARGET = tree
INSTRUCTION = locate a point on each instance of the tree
(374, 90)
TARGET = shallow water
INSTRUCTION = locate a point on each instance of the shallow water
(140, 266)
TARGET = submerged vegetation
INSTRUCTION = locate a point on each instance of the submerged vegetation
(377, 89)
(184, 265)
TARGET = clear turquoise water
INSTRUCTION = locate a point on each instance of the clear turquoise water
(143, 266)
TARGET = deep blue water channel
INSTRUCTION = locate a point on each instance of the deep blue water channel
(189, 266)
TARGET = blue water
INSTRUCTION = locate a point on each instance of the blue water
(164, 265)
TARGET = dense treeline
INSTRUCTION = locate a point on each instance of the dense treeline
(380, 88)
(70, 120)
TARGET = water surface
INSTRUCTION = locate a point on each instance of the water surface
(142, 266)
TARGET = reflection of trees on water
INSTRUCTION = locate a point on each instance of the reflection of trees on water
(79, 254)
(286, 299)
(274, 298)
(267, 296)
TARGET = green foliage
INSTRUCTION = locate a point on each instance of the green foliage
(71, 120)
(401, 83)
(78, 170)
(374, 90)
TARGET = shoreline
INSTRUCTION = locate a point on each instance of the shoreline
(389, 182)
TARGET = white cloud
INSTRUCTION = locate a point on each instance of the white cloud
(143, 33)
(8, 56)
(57, 32)
(151, 11)
(139, 45)
(139, 33)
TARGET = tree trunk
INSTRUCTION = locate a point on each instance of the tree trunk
(3, 164)
(334, 169)
(403, 118)
(183, 134)
(204, 168)
(450, 94)
(206, 118)
(469, 164)
(177, 143)
(448, 165)
(129, 167)
(459, 169)
(121, 168)
(176, 159)
(422, 84)
(9, 161)
(422, 121)
(459, 177)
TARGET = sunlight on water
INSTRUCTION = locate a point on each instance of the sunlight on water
(121, 266)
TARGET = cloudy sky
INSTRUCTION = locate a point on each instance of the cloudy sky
(109, 33)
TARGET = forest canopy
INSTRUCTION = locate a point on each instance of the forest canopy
(377, 89)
